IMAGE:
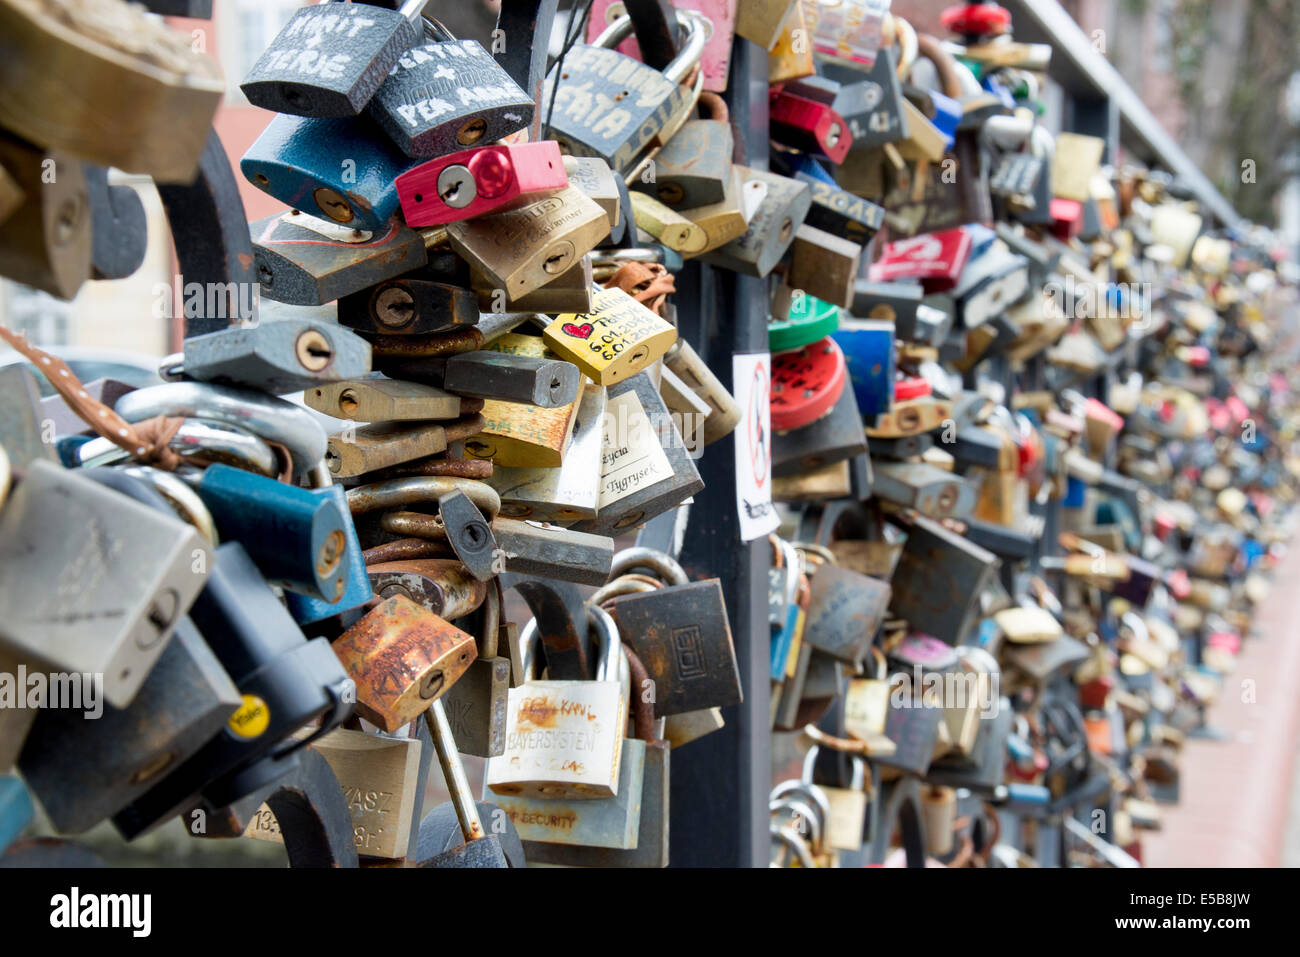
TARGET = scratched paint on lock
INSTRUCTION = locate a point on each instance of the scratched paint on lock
(560, 740)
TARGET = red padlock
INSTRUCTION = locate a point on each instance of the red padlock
(977, 20)
(936, 260)
(478, 181)
(806, 384)
(809, 126)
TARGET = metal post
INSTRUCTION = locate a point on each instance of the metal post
(720, 783)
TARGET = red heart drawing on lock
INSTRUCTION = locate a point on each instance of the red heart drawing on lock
(582, 332)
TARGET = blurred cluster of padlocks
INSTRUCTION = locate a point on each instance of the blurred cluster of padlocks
(1029, 449)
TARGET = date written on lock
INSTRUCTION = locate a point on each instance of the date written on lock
(617, 339)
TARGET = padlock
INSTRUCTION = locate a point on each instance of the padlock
(442, 586)
(762, 20)
(593, 176)
(296, 537)
(376, 398)
(823, 265)
(991, 284)
(803, 118)
(329, 60)
(771, 228)
(448, 94)
(799, 320)
(682, 636)
(378, 775)
(564, 739)
(22, 425)
(724, 412)
(646, 468)
(928, 490)
(569, 492)
(523, 249)
(939, 579)
(134, 604)
(845, 609)
(16, 719)
(402, 658)
(565, 554)
(47, 240)
(590, 111)
(682, 729)
(83, 766)
(668, 226)
(119, 233)
(610, 822)
(791, 56)
(831, 439)
(840, 213)
(694, 167)
(344, 170)
(515, 375)
(479, 181)
(866, 702)
(846, 821)
(806, 383)
(305, 260)
(914, 410)
(285, 682)
(650, 846)
(520, 434)
(476, 704)
(277, 355)
(571, 291)
(728, 219)
(356, 451)
(267, 417)
(119, 88)
(616, 340)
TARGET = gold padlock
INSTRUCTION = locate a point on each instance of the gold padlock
(617, 339)
(667, 225)
(522, 250)
(519, 435)
(106, 82)
(46, 242)
(792, 55)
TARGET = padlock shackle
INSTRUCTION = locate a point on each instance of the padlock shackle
(816, 823)
(198, 439)
(688, 56)
(643, 710)
(608, 641)
(661, 563)
(787, 836)
(265, 416)
(170, 486)
(453, 771)
(421, 490)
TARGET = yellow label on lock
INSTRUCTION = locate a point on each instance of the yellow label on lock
(617, 339)
(250, 719)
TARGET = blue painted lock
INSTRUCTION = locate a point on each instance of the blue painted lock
(356, 583)
(340, 169)
(1076, 491)
(15, 808)
(868, 347)
(297, 537)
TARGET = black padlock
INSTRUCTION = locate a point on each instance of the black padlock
(444, 95)
(285, 681)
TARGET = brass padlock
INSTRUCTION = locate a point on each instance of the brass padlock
(771, 229)
(118, 88)
(46, 242)
(524, 249)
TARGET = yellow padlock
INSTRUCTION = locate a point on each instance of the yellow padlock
(617, 339)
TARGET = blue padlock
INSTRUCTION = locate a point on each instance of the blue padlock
(805, 163)
(342, 170)
(1076, 491)
(298, 538)
(868, 347)
(356, 583)
(15, 808)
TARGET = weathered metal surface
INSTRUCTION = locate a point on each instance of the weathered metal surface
(414, 304)
(544, 382)
(933, 492)
(441, 586)
(938, 581)
(844, 611)
(683, 637)
(834, 437)
(402, 657)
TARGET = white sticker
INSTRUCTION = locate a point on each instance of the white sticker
(631, 456)
(752, 377)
